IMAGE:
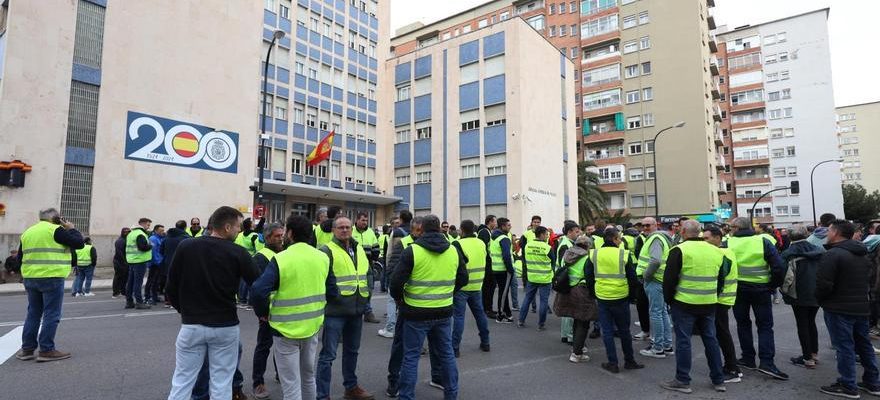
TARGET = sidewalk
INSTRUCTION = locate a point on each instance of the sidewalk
(18, 288)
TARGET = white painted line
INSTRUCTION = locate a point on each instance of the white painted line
(124, 315)
(67, 303)
(513, 365)
(10, 343)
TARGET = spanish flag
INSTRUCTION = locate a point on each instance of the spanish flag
(322, 152)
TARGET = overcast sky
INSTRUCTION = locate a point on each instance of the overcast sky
(850, 23)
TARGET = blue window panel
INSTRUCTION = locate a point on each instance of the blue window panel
(316, 7)
(312, 134)
(336, 184)
(338, 49)
(309, 148)
(315, 39)
(325, 105)
(371, 189)
(339, 63)
(372, 77)
(340, 19)
(313, 101)
(349, 186)
(352, 56)
(362, 73)
(268, 122)
(402, 113)
(362, 144)
(493, 45)
(422, 196)
(310, 180)
(279, 143)
(337, 109)
(302, 48)
(365, 18)
(86, 74)
(271, 70)
(304, 3)
(284, 42)
(402, 73)
(469, 52)
(285, 25)
(299, 132)
(469, 192)
(79, 156)
(363, 60)
(301, 33)
(422, 152)
(423, 67)
(362, 30)
(281, 126)
(283, 75)
(269, 18)
(350, 143)
(362, 116)
(371, 148)
(371, 105)
(352, 69)
(493, 90)
(351, 114)
(469, 96)
(270, 88)
(371, 162)
(327, 58)
(314, 86)
(323, 182)
(362, 102)
(296, 178)
(371, 119)
(336, 155)
(401, 155)
(298, 147)
(352, 99)
(362, 161)
(267, 34)
(373, 35)
(279, 176)
(496, 189)
(326, 91)
(102, 3)
(340, 5)
(299, 97)
(282, 92)
(495, 139)
(469, 144)
(564, 156)
(422, 105)
(314, 54)
(326, 43)
(402, 192)
(349, 158)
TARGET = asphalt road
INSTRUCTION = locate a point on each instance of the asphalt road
(121, 354)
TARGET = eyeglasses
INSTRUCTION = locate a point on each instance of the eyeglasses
(343, 228)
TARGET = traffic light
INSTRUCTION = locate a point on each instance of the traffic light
(795, 187)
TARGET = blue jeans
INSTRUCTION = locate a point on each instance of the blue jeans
(543, 290)
(614, 322)
(194, 344)
(849, 335)
(761, 304)
(201, 390)
(391, 320)
(684, 328)
(370, 283)
(135, 282)
(474, 300)
(82, 283)
(439, 336)
(45, 296)
(396, 359)
(514, 290)
(661, 334)
(243, 291)
(349, 329)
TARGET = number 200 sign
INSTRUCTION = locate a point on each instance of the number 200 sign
(165, 141)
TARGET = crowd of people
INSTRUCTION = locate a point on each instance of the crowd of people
(310, 283)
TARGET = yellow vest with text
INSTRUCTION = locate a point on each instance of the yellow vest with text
(645, 256)
(539, 268)
(728, 295)
(84, 256)
(475, 251)
(749, 252)
(321, 237)
(41, 255)
(700, 266)
(133, 255)
(349, 278)
(296, 309)
(432, 282)
(496, 255)
(609, 269)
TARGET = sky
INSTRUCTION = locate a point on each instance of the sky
(849, 25)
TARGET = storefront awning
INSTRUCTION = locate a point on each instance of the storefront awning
(327, 193)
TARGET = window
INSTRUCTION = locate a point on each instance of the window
(773, 96)
(504, 16)
(646, 68)
(601, 53)
(563, 30)
(744, 61)
(777, 153)
(552, 9)
(750, 96)
(781, 211)
(629, 21)
(573, 30)
(648, 120)
(467, 29)
(402, 136)
(595, 101)
(311, 118)
(322, 171)
(423, 133)
(401, 180)
(851, 152)
(780, 37)
(536, 22)
(296, 164)
(423, 177)
(795, 211)
(788, 132)
(791, 171)
(632, 71)
(790, 151)
(310, 170)
(772, 76)
(783, 75)
(632, 97)
(769, 40)
(574, 54)
(634, 122)
(635, 148)
(645, 43)
(786, 112)
(783, 56)
(776, 114)
(572, 7)
(470, 171)
(281, 112)
(770, 59)
(636, 174)
(786, 94)
(647, 94)
(779, 172)
(589, 7)
(313, 74)
(630, 47)
(552, 31)
(599, 26)
(284, 11)
(776, 134)
(483, 23)
(650, 170)
(469, 125)
(636, 201)
(496, 170)
(643, 18)
(270, 5)
(403, 93)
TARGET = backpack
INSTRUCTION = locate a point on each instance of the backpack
(789, 282)
(561, 283)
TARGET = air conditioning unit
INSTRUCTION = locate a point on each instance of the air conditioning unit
(360, 181)
(348, 179)
(369, 183)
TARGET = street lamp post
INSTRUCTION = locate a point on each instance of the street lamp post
(813, 190)
(657, 170)
(261, 159)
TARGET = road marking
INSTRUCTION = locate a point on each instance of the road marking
(10, 343)
(124, 315)
(513, 365)
(92, 302)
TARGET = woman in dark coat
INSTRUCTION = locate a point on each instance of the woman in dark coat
(799, 291)
(577, 304)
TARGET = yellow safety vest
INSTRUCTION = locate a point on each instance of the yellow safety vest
(133, 255)
(267, 252)
(728, 295)
(200, 233)
(41, 255)
(563, 241)
(367, 238)
(539, 268)
(296, 309)
(432, 282)
(700, 263)
(576, 271)
(321, 237)
(609, 269)
(496, 254)
(349, 278)
(84, 256)
(769, 237)
(248, 242)
(383, 242)
(749, 252)
(645, 256)
(475, 251)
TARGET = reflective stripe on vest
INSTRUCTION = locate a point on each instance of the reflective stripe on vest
(133, 255)
(496, 255)
(383, 241)
(84, 256)
(749, 252)
(609, 268)
(475, 251)
(769, 237)
(367, 239)
(539, 268)
(563, 241)
(645, 256)
(296, 309)
(41, 255)
(700, 264)
(433, 278)
(349, 278)
(407, 241)
(728, 295)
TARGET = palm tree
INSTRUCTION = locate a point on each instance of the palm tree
(591, 198)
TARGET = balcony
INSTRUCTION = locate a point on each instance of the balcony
(595, 138)
(747, 106)
(607, 181)
(713, 66)
(719, 162)
(752, 162)
(711, 20)
(722, 187)
(710, 3)
(713, 46)
(716, 93)
(716, 113)
(593, 61)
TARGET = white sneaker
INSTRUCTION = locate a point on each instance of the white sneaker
(436, 385)
(876, 351)
(386, 334)
(578, 358)
(89, 294)
(77, 295)
(641, 336)
(651, 353)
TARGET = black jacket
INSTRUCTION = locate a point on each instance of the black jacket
(119, 253)
(805, 273)
(395, 248)
(843, 280)
(169, 245)
(344, 306)
(434, 242)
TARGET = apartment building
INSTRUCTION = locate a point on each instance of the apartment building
(857, 131)
(323, 77)
(634, 76)
(482, 123)
(777, 111)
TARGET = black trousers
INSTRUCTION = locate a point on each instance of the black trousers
(488, 290)
(581, 329)
(725, 339)
(501, 281)
(120, 278)
(805, 319)
(261, 353)
(642, 309)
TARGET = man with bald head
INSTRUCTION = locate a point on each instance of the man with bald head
(650, 268)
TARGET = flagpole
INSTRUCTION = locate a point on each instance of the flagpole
(261, 158)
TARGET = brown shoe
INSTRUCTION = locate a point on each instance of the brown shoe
(260, 392)
(357, 393)
(370, 318)
(25, 355)
(237, 394)
(54, 355)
